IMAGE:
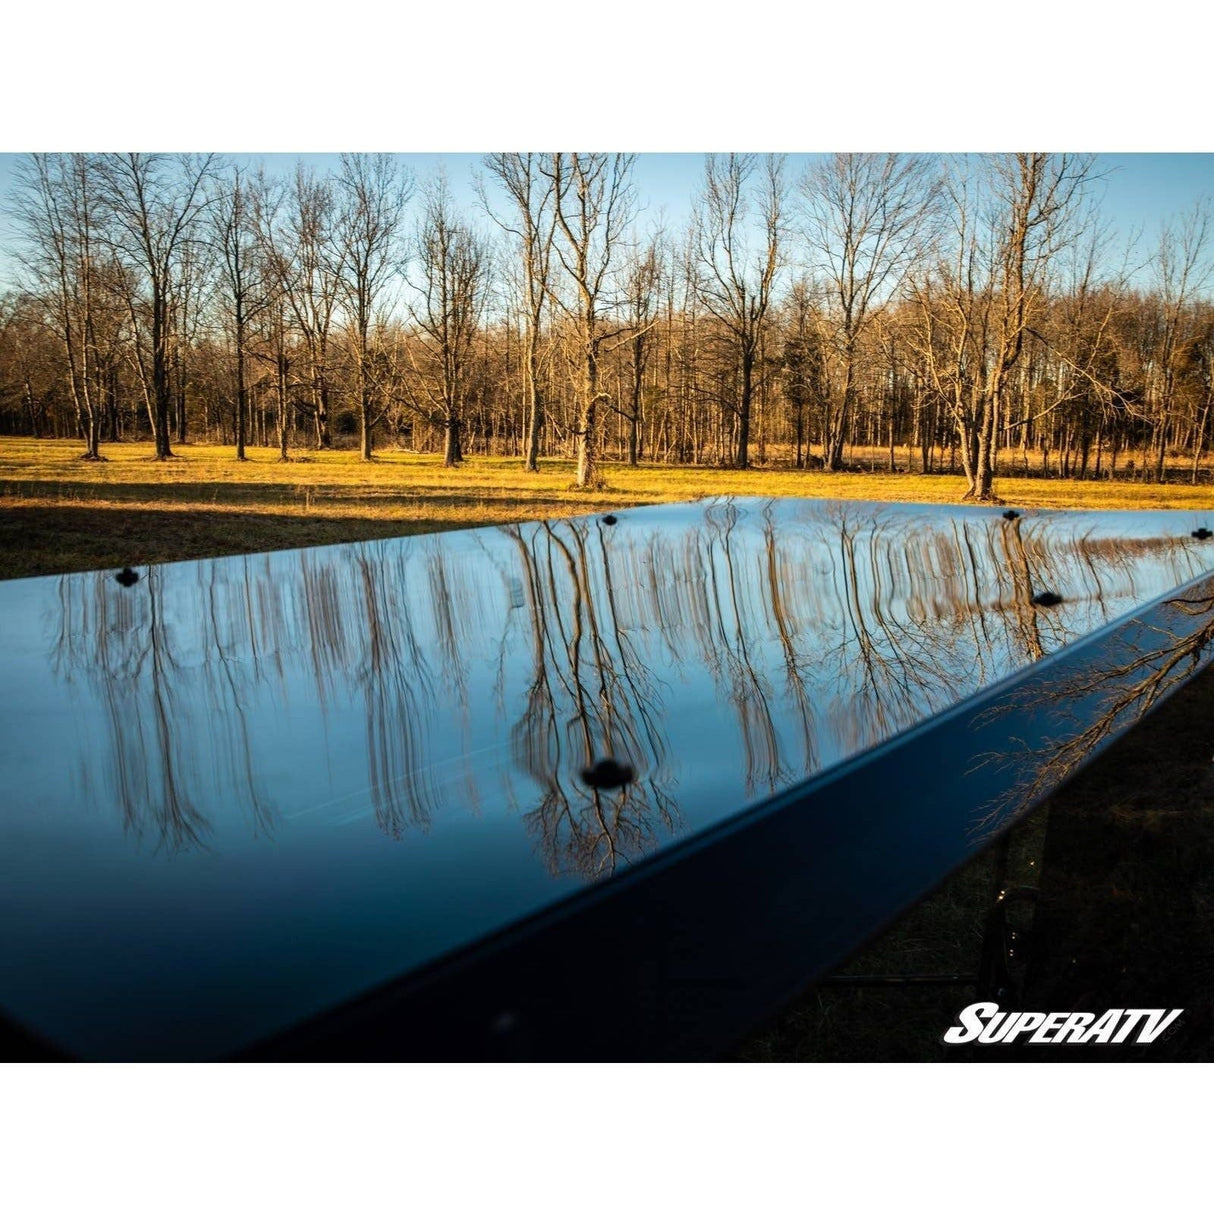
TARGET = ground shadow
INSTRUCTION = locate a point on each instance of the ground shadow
(37, 540)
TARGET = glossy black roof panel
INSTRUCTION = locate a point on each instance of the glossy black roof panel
(242, 791)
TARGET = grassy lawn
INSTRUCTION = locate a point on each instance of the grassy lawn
(1124, 868)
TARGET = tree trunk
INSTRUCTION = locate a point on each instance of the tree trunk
(324, 439)
(364, 421)
(983, 489)
(161, 387)
(535, 408)
(587, 451)
(284, 408)
(743, 448)
(242, 408)
(452, 455)
(634, 418)
(181, 389)
(1199, 439)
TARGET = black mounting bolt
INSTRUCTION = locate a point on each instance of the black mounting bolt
(607, 773)
(1011, 514)
(1047, 598)
(1202, 533)
(609, 520)
(128, 577)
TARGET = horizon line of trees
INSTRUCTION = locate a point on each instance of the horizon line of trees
(934, 313)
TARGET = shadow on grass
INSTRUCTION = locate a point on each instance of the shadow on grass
(36, 540)
(241, 493)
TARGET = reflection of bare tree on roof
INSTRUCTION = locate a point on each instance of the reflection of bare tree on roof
(120, 643)
(361, 619)
(746, 687)
(886, 669)
(590, 697)
(180, 730)
(1024, 563)
(325, 613)
(801, 637)
(227, 697)
(902, 624)
(797, 665)
(876, 621)
(1090, 704)
(454, 605)
(917, 612)
(398, 685)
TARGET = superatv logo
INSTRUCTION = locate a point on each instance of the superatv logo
(985, 1024)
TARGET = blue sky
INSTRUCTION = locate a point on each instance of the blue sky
(1140, 190)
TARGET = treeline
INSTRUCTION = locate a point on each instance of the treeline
(917, 313)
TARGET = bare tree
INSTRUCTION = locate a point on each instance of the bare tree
(194, 273)
(803, 367)
(244, 282)
(453, 265)
(1200, 365)
(532, 226)
(277, 353)
(154, 211)
(864, 216)
(299, 239)
(56, 207)
(1184, 268)
(980, 306)
(642, 282)
(372, 192)
(593, 205)
(1076, 389)
(736, 281)
(29, 371)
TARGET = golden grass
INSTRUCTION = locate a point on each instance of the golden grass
(400, 484)
(61, 512)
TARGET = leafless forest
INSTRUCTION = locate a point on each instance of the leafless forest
(966, 314)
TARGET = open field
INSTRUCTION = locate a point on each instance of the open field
(1129, 850)
(59, 513)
